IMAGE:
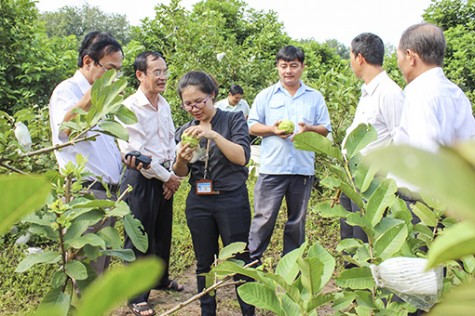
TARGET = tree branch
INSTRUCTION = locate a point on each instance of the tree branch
(216, 285)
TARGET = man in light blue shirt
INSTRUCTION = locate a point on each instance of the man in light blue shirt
(284, 170)
(234, 102)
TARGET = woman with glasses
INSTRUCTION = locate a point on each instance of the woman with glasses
(218, 202)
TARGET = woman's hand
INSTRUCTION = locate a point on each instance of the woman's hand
(199, 131)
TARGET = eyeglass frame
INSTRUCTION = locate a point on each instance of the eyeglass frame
(161, 72)
(191, 106)
(118, 71)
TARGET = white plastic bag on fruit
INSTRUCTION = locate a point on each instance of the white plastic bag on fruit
(407, 278)
(23, 135)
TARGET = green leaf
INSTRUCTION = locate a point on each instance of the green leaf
(229, 267)
(119, 284)
(348, 244)
(85, 203)
(288, 267)
(43, 257)
(459, 301)
(343, 300)
(136, 233)
(325, 210)
(317, 251)
(260, 296)
(311, 274)
(391, 241)
(111, 237)
(380, 200)
(120, 210)
(56, 301)
(123, 254)
(359, 138)
(289, 306)
(456, 242)
(58, 279)
(76, 229)
(315, 142)
(356, 279)
(88, 239)
(445, 175)
(230, 250)
(469, 263)
(21, 195)
(354, 196)
(319, 300)
(114, 129)
(425, 214)
(126, 116)
(364, 175)
(76, 270)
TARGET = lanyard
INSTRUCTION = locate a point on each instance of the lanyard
(206, 159)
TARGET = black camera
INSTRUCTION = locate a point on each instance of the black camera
(139, 158)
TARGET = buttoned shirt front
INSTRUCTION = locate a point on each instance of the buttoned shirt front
(279, 156)
(242, 106)
(436, 112)
(103, 156)
(153, 134)
(381, 106)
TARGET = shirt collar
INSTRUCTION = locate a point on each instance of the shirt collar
(142, 100)
(303, 87)
(368, 89)
(82, 82)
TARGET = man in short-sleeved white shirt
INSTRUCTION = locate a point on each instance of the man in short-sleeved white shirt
(234, 102)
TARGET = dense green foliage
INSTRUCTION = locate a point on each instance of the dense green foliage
(39, 51)
(79, 21)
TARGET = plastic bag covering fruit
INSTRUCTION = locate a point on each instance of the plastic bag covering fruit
(188, 139)
(287, 126)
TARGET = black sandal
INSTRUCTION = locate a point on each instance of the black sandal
(172, 286)
(139, 308)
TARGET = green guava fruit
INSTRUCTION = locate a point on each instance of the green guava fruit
(188, 139)
(287, 126)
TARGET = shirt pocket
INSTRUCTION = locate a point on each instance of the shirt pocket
(277, 112)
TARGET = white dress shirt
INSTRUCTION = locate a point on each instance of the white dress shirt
(242, 106)
(381, 106)
(103, 156)
(436, 112)
(153, 135)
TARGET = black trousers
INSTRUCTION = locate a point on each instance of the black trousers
(148, 205)
(226, 215)
(348, 231)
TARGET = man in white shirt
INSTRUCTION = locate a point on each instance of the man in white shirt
(234, 102)
(436, 111)
(98, 53)
(151, 200)
(380, 105)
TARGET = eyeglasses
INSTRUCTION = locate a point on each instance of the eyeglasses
(118, 73)
(198, 105)
(161, 72)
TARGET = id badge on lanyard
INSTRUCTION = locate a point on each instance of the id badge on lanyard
(205, 186)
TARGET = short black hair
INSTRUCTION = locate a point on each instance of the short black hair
(98, 44)
(289, 53)
(236, 89)
(140, 62)
(370, 46)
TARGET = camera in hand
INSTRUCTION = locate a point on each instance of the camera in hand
(139, 158)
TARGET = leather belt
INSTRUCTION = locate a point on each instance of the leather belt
(98, 186)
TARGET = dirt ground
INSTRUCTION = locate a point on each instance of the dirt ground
(163, 301)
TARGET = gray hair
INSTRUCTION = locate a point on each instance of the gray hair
(426, 40)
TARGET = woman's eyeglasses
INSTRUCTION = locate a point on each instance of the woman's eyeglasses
(198, 105)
